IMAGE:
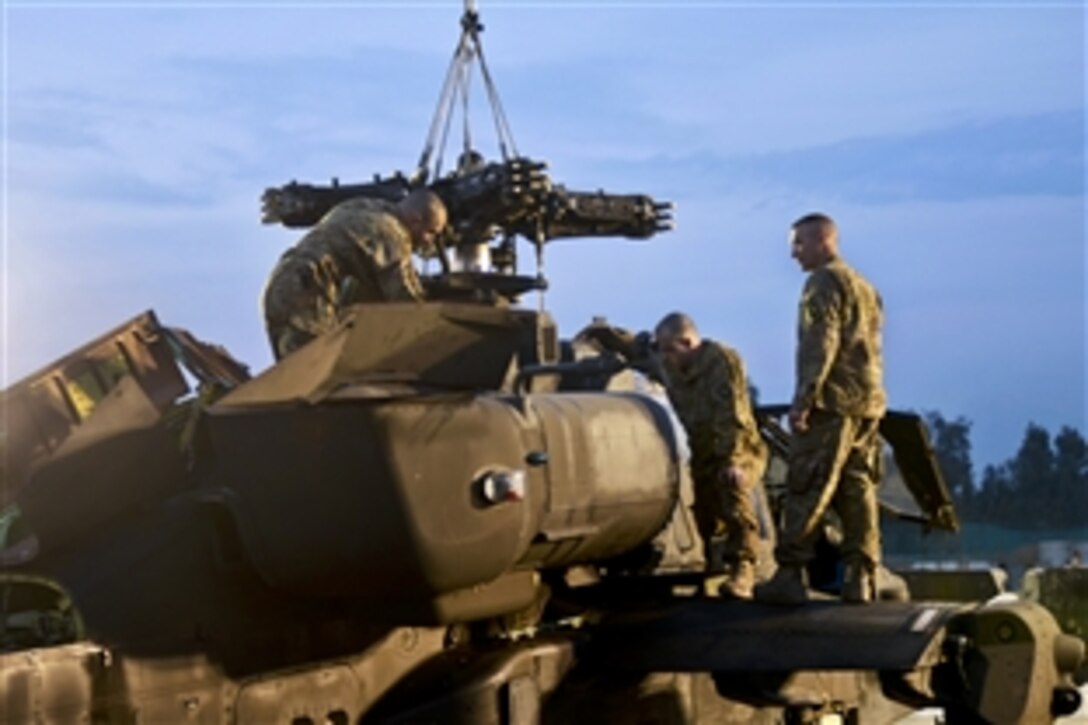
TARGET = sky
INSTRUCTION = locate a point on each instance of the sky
(947, 140)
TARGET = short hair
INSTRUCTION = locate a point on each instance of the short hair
(425, 205)
(825, 224)
(675, 324)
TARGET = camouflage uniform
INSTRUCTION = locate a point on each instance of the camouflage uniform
(837, 461)
(360, 239)
(711, 398)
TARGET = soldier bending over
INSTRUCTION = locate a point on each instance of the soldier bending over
(835, 455)
(361, 251)
(708, 389)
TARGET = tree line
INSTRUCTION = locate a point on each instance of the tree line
(1043, 486)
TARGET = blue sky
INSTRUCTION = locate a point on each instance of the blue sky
(948, 140)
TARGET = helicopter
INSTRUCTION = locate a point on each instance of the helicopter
(436, 512)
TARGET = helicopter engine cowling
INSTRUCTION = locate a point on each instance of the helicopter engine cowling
(441, 507)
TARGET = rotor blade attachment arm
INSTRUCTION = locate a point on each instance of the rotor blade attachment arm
(298, 205)
(601, 214)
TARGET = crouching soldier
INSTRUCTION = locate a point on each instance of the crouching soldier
(707, 387)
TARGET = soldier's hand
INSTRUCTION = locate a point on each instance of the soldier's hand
(798, 420)
(732, 476)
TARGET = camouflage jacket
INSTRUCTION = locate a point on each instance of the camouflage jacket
(711, 398)
(363, 239)
(839, 364)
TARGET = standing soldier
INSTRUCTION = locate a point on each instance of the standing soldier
(708, 389)
(361, 251)
(835, 455)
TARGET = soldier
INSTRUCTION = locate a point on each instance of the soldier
(835, 454)
(708, 389)
(360, 251)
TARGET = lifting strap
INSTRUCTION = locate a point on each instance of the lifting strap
(456, 86)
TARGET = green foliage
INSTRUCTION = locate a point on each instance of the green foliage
(1041, 492)
(1044, 486)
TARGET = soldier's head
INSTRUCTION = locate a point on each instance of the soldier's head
(814, 241)
(677, 338)
(424, 214)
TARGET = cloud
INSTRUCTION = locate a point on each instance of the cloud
(833, 75)
(301, 87)
(1019, 156)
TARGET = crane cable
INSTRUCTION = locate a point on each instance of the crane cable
(456, 85)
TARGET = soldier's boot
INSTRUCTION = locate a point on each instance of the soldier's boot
(789, 585)
(890, 587)
(859, 584)
(739, 583)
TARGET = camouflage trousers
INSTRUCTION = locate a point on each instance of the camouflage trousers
(297, 306)
(726, 511)
(835, 463)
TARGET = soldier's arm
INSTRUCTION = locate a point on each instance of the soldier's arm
(400, 282)
(818, 337)
(397, 278)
